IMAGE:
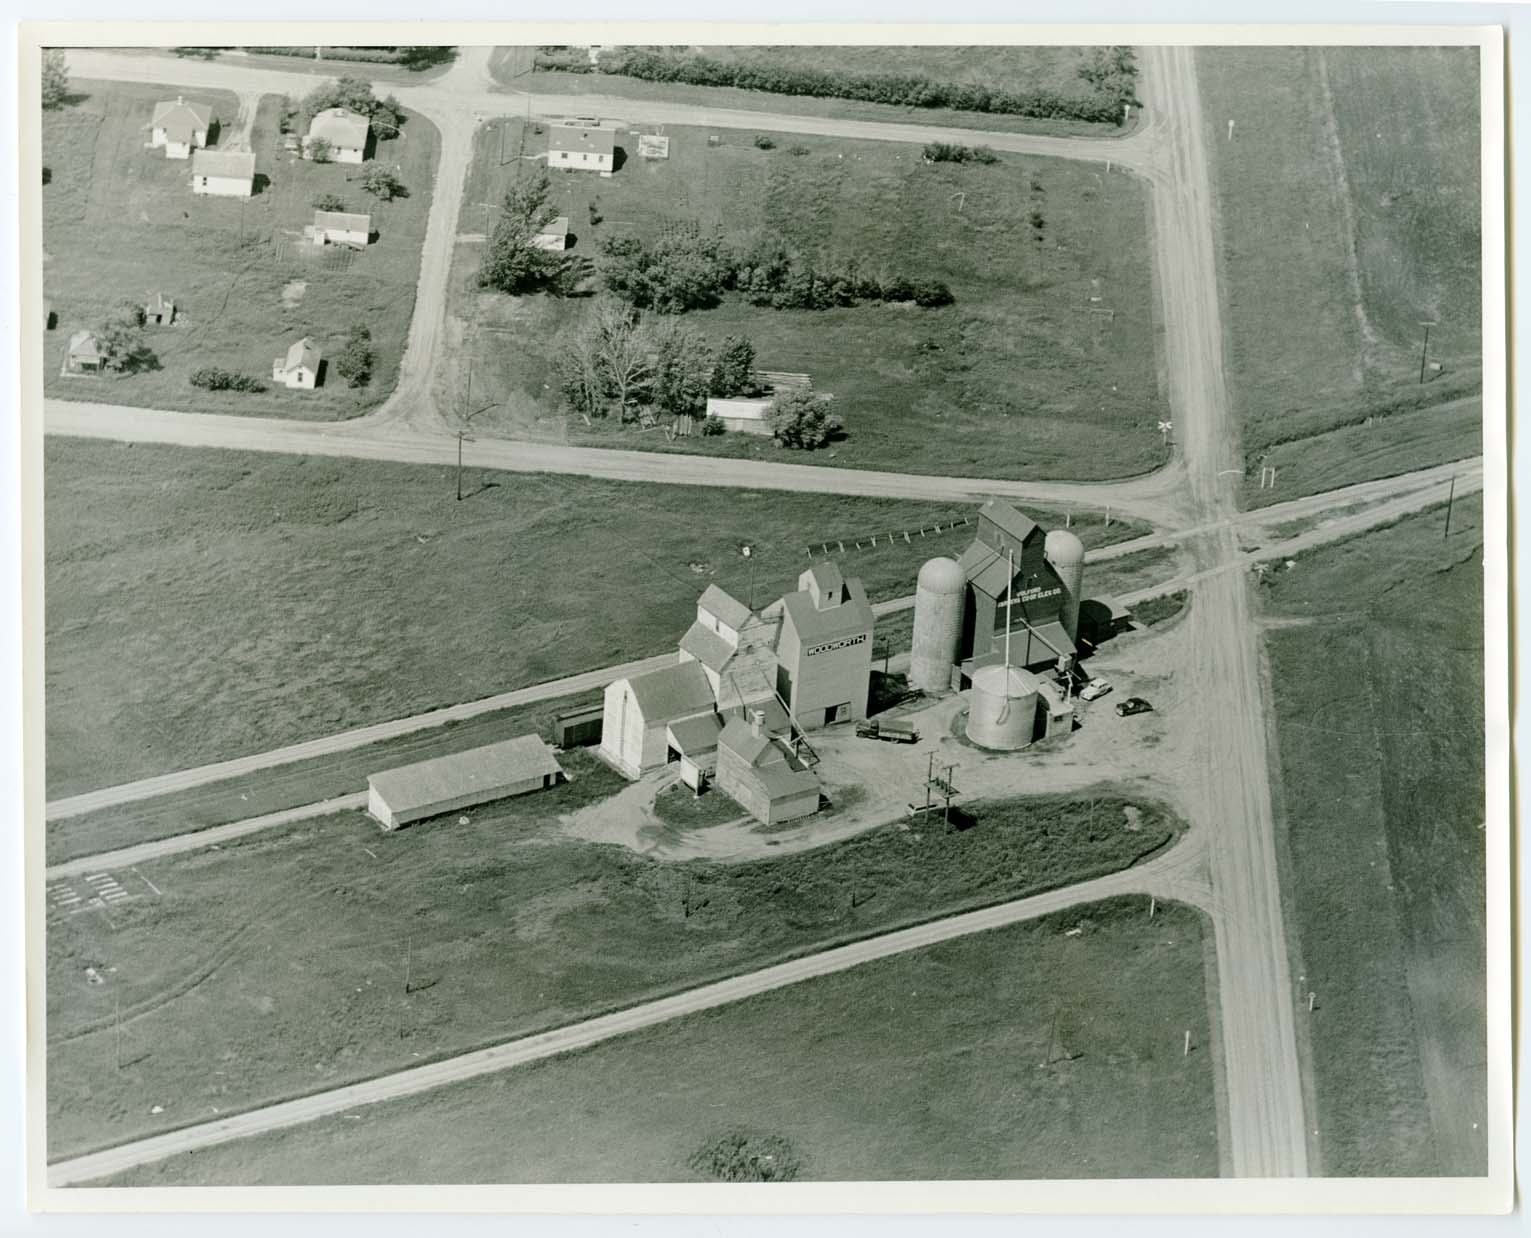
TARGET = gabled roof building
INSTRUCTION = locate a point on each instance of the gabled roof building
(178, 126)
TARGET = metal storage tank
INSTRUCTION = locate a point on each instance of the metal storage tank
(938, 600)
(1002, 708)
(1066, 554)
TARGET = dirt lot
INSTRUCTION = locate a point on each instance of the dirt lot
(120, 222)
(1019, 378)
(929, 1065)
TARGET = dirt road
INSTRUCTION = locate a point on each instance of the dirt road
(1232, 803)
(1165, 877)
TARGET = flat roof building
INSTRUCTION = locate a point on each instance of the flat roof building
(397, 797)
(341, 228)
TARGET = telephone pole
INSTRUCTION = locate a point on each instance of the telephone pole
(1424, 349)
(1451, 494)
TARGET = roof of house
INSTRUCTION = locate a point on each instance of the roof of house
(727, 608)
(304, 353)
(180, 119)
(812, 624)
(234, 163)
(342, 221)
(555, 227)
(671, 692)
(493, 766)
(693, 736)
(339, 126)
(781, 781)
(83, 344)
(590, 139)
(710, 648)
(738, 409)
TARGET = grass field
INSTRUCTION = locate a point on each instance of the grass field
(1379, 721)
(277, 966)
(120, 221)
(1348, 198)
(207, 604)
(927, 1065)
(1052, 68)
(1019, 378)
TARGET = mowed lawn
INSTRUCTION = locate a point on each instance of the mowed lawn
(207, 604)
(278, 966)
(1348, 201)
(926, 1065)
(120, 222)
(1044, 366)
(1006, 67)
(1379, 721)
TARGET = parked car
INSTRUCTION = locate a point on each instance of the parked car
(1094, 690)
(1133, 705)
(892, 730)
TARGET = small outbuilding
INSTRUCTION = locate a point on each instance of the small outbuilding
(461, 780)
(748, 416)
(639, 712)
(553, 235)
(345, 132)
(340, 228)
(582, 146)
(84, 355)
(223, 173)
(179, 126)
(159, 310)
(300, 367)
(759, 772)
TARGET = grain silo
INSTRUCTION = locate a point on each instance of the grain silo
(1065, 553)
(1002, 708)
(938, 602)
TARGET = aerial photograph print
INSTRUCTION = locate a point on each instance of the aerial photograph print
(882, 611)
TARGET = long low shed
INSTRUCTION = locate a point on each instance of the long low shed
(443, 784)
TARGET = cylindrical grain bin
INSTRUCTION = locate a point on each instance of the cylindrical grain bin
(1066, 554)
(1002, 708)
(938, 599)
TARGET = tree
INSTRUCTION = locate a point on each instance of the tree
(355, 94)
(609, 359)
(802, 419)
(417, 58)
(379, 180)
(511, 262)
(356, 358)
(120, 338)
(55, 78)
(683, 365)
(319, 149)
(329, 202)
(733, 371)
(681, 270)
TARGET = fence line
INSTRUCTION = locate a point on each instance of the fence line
(871, 541)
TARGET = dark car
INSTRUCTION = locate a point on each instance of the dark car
(1133, 705)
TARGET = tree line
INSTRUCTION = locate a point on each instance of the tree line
(1111, 71)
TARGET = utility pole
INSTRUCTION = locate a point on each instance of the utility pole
(748, 552)
(117, 1029)
(1052, 1035)
(1424, 349)
(468, 416)
(1451, 494)
(409, 946)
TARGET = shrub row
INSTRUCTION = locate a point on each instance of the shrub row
(905, 90)
(210, 378)
(370, 55)
(953, 152)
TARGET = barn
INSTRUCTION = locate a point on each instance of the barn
(640, 711)
(517, 766)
